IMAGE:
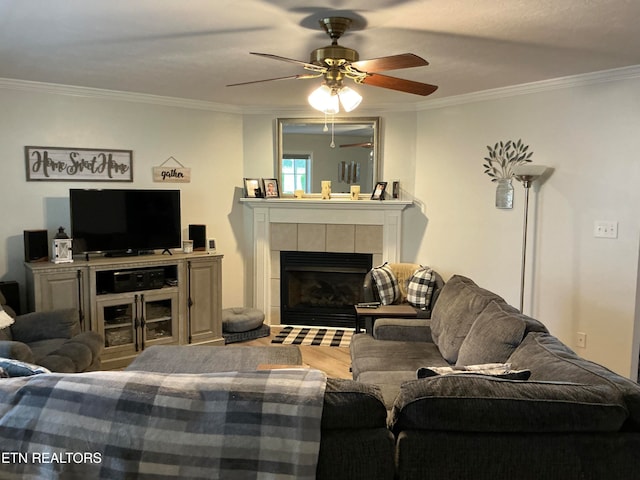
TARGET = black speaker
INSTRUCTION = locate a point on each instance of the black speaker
(11, 292)
(36, 246)
(198, 233)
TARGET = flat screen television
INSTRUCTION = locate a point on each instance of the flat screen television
(124, 221)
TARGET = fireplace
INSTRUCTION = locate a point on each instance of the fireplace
(320, 288)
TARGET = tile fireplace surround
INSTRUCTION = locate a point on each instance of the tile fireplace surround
(336, 225)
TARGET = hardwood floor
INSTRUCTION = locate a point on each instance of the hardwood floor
(334, 361)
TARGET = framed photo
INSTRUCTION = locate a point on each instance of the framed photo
(270, 188)
(252, 188)
(378, 192)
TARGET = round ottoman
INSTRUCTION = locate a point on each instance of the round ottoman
(243, 323)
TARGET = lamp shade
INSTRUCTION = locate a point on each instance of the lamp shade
(349, 98)
(529, 170)
(324, 99)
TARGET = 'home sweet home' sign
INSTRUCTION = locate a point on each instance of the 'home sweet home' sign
(78, 164)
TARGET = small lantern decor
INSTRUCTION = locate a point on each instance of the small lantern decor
(61, 248)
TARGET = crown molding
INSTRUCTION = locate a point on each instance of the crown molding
(617, 74)
(88, 92)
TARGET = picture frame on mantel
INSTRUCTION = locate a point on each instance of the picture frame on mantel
(378, 191)
(270, 188)
(252, 188)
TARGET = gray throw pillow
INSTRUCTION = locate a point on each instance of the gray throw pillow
(493, 337)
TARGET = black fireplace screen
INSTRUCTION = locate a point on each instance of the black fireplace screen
(320, 288)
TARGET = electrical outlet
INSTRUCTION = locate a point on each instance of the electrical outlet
(581, 339)
(605, 229)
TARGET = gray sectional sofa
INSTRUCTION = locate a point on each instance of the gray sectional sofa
(571, 419)
(549, 414)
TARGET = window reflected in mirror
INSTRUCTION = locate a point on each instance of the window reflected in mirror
(344, 151)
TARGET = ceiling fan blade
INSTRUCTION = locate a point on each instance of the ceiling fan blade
(289, 77)
(399, 84)
(364, 145)
(393, 62)
(309, 66)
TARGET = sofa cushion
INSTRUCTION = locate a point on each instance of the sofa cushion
(550, 359)
(493, 337)
(5, 334)
(459, 304)
(388, 382)
(386, 283)
(420, 288)
(369, 354)
(473, 403)
(352, 405)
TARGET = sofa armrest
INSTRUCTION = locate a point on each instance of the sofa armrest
(16, 351)
(479, 403)
(403, 329)
(36, 326)
(369, 289)
(78, 354)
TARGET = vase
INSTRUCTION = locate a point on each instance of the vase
(504, 193)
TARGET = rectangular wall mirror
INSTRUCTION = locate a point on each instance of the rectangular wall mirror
(343, 150)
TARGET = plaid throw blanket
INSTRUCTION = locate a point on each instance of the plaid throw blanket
(117, 425)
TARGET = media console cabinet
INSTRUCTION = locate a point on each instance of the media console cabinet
(135, 302)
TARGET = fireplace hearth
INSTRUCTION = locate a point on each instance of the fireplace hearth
(321, 288)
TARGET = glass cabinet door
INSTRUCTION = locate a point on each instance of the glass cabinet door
(119, 322)
(160, 312)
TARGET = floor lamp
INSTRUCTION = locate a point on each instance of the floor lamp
(527, 174)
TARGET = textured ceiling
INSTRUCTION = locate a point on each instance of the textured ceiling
(192, 48)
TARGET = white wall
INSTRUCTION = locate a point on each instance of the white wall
(208, 142)
(576, 283)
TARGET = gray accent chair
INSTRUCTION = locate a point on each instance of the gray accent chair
(50, 339)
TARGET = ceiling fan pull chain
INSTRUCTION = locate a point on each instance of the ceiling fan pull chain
(333, 143)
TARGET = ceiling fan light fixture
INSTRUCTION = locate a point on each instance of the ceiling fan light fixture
(328, 100)
(349, 98)
(324, 99)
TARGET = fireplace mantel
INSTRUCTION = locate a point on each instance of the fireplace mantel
(336, 211)
(342, 202)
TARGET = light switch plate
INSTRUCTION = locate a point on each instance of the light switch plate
(605, 229)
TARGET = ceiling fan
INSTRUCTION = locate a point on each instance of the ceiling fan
(335, 63)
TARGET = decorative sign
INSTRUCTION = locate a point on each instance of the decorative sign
(171, 174)
(78, 164)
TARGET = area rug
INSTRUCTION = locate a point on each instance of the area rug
(323, 337)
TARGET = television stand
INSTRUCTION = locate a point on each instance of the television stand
(186, 309)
